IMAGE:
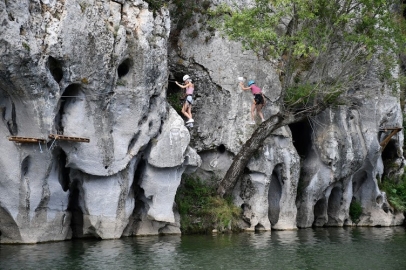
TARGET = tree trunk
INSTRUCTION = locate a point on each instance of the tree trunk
(248, 149)
(241, 160)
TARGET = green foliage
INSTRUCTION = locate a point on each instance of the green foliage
(404, 129)
(315, 32)
(26, 46)
(299, 94)
(201, 210)
(355, 211)
(175, 100)
(83, 6)
(156, 4)
(121, 82)
(395, 192)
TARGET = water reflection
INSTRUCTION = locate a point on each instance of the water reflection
(322, 248)
(259, 240)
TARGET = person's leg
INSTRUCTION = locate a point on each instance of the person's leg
(185, 110)
(189, 111)
(259, 111)
(253, 111)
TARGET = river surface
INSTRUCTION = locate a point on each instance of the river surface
(324, 248)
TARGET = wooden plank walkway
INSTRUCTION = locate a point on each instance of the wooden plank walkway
(26, 139)
(68, 138)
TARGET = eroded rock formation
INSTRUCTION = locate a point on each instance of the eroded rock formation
(309, 175)
(99, 69)
(92, 69)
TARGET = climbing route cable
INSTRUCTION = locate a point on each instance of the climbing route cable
(40, 148)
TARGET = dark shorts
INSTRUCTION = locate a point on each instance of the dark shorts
(259, 99)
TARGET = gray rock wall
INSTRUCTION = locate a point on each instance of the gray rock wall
(99, 69)
(309, 175)
(92, 69)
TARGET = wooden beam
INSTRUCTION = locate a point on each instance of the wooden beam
(387, 139)
(26, 139)
(68, 138)
(395, 128)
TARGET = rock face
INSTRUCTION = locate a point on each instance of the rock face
(94, 69)
(160, 177)
(307, 174)
(99, 70)
(344, 163)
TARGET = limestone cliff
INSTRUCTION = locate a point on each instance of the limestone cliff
(99, 70)
(306, 174)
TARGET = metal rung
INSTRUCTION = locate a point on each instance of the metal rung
(68, 138)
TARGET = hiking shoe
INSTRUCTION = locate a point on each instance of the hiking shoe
(263, 120)
(251, 123)
(190, 121)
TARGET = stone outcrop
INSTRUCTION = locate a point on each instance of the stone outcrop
(99, 69)
(91, 69)
(345, 164)
(160, 177)
(340, 153)
(267, 193)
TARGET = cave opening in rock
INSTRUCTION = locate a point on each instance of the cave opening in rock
(64, 171)
(139, 195)
(175, 93)
(25, 166)
(55, 67)
(74, 207)
(320, 213)
(334, 205)
(259, 227)
(124, 68)
(9, 114)
(302, 137)
(275, 194)
(69, 96)
(221, 148)
(390, 152)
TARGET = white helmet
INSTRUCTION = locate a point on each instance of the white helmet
(186, 77)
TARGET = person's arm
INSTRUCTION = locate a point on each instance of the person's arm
(244, 88)
(183, 86)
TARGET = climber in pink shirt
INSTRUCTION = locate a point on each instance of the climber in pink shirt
(187, 106)
(259, 100)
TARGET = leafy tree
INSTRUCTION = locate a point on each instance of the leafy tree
(323, 49)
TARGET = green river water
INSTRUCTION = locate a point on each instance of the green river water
(324, 248)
